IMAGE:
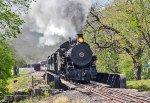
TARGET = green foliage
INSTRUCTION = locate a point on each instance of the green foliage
(146, 75)
(107, 61)
(126, 66)
(18, 59)
(6, 62)
(107, 58)
(23, 72)
(10, 24)
(47, 94)
(22, 82)
(145, 57)
(26, 90)
(130, 18)
(126, 25)
(140, 85)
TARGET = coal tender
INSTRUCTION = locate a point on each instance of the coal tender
(74, 60)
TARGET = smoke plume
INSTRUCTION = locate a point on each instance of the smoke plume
(49, 23)
(57, 19)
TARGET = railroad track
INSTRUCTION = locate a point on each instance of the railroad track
(116, 96)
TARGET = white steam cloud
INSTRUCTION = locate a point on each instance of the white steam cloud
(48, 24)
(57, 19)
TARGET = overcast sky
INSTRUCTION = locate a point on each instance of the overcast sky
(102, 2)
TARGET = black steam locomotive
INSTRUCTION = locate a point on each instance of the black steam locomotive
(74, 60)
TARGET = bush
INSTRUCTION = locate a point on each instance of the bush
(46, 94)
(140, 85)
(126, 66)
(6, 63)
(145, 75)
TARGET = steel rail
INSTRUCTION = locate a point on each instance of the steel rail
(134, 98)
(117, 97)
(106, 96)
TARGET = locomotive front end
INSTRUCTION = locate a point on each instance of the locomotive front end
(81, 54)
(74, 60)
(81, 65)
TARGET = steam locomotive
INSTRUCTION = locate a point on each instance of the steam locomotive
(74, 60)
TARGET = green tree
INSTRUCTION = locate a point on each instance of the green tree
(18, 59)
(10, 24)
(128, 18)
(125, 24)
(6, 63)
(103, 42)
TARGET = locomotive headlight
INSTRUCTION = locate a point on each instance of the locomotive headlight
(80, 39)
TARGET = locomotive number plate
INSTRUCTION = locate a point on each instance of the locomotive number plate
(81, 54)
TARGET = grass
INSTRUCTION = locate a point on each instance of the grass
(32, 100)
(23, 71)
(63, 99)
(22, 81)
(140, 85)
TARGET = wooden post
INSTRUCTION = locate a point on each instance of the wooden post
(122, 81)
(46, 75)
(32, 92)
(15, 70)
(32, 82)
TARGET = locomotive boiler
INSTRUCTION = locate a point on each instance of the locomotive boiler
(74, 60)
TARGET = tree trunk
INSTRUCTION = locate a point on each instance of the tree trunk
(138, 63)
(137, 70)
(16, 70)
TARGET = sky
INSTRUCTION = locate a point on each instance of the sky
(102, 2)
